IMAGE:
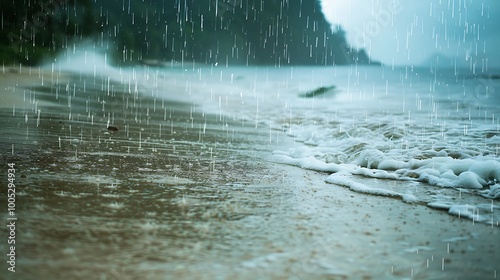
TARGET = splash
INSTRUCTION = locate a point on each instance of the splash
(84, 58)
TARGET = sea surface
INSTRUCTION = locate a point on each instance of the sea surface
(431, 125)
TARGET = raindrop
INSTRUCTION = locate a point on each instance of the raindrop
(38, 118)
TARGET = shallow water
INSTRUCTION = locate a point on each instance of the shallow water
(188, 186)
(438, 126)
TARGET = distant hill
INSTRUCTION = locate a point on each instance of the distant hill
(271, 32)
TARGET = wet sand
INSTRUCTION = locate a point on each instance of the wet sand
(177, 193)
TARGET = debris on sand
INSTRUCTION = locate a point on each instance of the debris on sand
(112, 128)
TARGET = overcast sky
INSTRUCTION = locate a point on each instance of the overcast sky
(407, 32)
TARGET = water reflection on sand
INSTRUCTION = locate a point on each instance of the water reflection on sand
(158, 194)
(178, 193)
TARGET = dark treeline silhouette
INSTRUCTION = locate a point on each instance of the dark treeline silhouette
(271, 32)
(32, 31)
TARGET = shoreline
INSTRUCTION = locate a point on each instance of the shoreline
(182, 193)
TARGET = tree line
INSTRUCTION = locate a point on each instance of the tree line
(243, 32)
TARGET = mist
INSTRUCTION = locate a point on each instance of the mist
(462, 33)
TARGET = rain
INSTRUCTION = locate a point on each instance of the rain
(249, 139)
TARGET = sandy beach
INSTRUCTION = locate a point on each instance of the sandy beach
(177, 193)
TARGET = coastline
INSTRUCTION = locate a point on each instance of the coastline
(186, 194)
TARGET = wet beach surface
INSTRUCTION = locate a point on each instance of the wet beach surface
(179, 193)
(94, 201)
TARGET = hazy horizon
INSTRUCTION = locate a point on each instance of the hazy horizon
(410, 33)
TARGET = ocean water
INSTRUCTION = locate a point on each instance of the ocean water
(436, 131)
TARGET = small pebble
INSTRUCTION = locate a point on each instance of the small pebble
(112, 128)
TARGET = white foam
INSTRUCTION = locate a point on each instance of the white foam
(493, 192)
(343, 179)
(455, 239)
(473, 212)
